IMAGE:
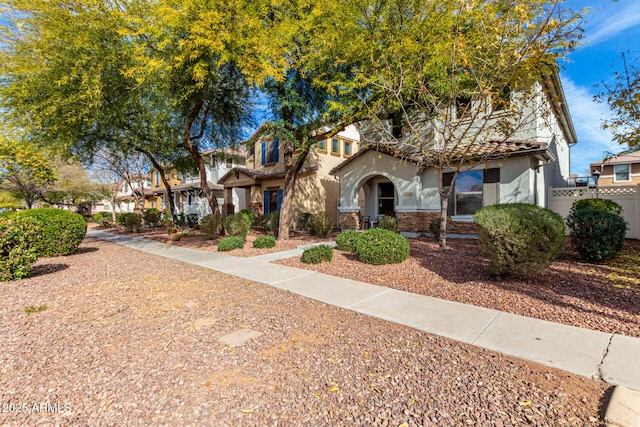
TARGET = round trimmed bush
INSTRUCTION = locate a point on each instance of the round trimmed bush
(599, 204)
(348, 240)
(596, 234)
(16, 253)
(388, 223)
(317, 254)
(62, 231)
(380, 246)
(237, 225)
(230, 243)
(519, 238)
(211, 225)
(262, 242)
(321, 224)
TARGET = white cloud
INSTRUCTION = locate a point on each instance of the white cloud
(602, 25)
(587, 115)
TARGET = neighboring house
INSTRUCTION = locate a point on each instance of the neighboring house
(617, 171)
(383, 180)
(263, 177)
(187, 190)
(141, 186)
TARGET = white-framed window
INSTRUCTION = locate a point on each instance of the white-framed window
(622, 173)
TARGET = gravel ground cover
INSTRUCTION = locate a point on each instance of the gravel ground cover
(601, 297)
(197, 241)
(112, 337)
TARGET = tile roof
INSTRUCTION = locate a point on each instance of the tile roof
(259, 175)
(490, 150)
(617, 160)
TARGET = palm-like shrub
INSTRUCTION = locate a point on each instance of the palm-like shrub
(321, 224)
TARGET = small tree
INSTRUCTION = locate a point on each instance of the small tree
(622, 93)
(444, 82)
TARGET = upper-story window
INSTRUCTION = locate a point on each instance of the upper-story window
(269, 151)
(125, 189)
(501, 100)
(229, 162)
(147, 183)
(463, 107)
(157, 176)
(622, 173)
(347, 148)
(335, 146)
(322, 146)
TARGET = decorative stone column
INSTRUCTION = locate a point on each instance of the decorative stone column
(349, 219)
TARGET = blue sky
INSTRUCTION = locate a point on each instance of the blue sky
(611, 28)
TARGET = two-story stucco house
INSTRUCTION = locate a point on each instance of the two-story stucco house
(263, 177)
(384, 180)
(186, 187)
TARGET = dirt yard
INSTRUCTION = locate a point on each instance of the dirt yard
(111, 337)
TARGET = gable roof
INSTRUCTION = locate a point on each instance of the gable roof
(258, 175)
(490, 150)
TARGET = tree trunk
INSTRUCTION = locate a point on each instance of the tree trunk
(186, 139)
(165, 182)
(114, 203)
(291, 171)
(444, 207)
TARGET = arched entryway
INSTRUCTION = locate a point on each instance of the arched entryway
(377, 197)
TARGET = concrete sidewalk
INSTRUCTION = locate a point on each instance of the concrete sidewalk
(593, 354)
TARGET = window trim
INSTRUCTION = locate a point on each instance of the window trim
(319, 149)
(628, 173)
(346, 143)
(337, 141)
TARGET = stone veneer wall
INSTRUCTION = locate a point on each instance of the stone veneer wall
(418, 222)
(349, 221)
(411, 222)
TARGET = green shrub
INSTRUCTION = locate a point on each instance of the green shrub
(348, 240)
(264, 242)
(321, 224)
(211, 225)
(380, 246)
(317, 254)
(191, 220)
(230, 243)
(16, 253)
(249, 213)
(152, 217)
(271, 222)
(61, 231)
(237, 225)
(133, 223)
(121, 218)
(599, 204)
(102, 218)
(434, 228)
(388, 223)
(519, 238)
(303, 223)
(596, 234)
